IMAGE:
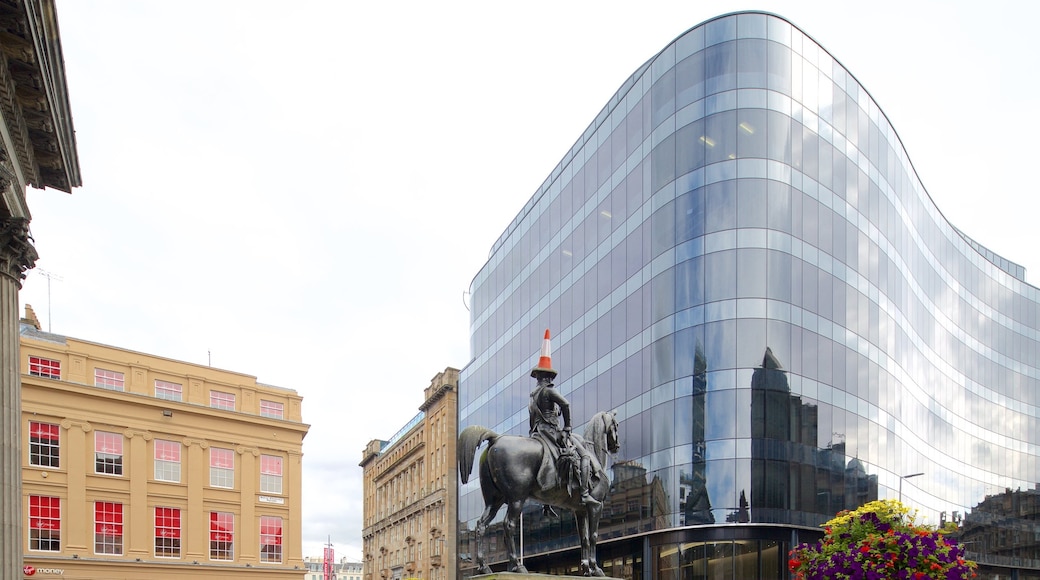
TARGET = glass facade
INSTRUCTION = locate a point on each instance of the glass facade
(738, 257)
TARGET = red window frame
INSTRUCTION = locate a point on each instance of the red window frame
(222, 400)
(271, 539)
(221, 536)
(272, 409)
(44, 367)
(44, 523)
(112, 380)
(167, 532)
(44, 444)
(167, 453)
(221, 461)
(108, 528)
(108, 453)
(169, 391)
(271, 474)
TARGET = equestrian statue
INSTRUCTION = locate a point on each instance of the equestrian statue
(552, 465)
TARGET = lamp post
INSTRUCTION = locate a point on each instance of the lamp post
(901, 478)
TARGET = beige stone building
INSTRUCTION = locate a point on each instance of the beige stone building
(138, 466)
(410, 489)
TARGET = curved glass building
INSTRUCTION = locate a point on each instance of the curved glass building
(738, 257)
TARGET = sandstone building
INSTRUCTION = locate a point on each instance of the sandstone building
(138, 466)
(410, 491)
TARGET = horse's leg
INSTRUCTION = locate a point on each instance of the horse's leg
(490, 510)
(513, 532)
(594, 514)
(581, 518)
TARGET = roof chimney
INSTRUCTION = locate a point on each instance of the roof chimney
(30, 317)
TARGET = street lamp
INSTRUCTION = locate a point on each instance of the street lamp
(901, 478)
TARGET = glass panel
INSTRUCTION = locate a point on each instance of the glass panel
(745, 560)
(689, 147)
(778, 68)
(689, 80)
(720, 137)
(694, 562)
(751, 63)
(751, 133)
(720, 561)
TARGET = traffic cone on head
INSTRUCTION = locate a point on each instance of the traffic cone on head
(545, 360)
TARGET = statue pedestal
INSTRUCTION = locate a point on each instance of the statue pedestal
(532, 576)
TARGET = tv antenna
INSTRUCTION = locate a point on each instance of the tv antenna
(49, 276)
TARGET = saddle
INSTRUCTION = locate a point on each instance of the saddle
(548, 475)
(557, 467)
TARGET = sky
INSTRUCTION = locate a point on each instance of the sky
(303, 191)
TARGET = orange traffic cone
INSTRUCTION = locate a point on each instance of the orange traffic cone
(545, 361)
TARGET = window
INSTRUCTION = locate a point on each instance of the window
(270, 474)
(108, 528)
(108, 453)
(271, 409)
(44, 367)
(167, 532)
(221, 536)
(112, 380)
(167, 461)
(43, 444)
(219, 400)
(44, 523)
(221, 467)
(270, 539)
(169, 391)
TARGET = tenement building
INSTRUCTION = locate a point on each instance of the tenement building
(410, 490)
(138, 466)
(738, 257)
(37, 148)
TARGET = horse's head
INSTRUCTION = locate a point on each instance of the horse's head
(602, 432)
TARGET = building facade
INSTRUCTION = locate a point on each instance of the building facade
(738, 257)
(341, 570)
(410, 491)
(138, 466)
(37, 148)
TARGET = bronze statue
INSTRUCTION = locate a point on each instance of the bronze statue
(553, 466)
(568, 454)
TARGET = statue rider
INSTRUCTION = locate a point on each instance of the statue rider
(546, 408)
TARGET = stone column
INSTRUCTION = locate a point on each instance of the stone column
(16, 256)
(78, 459)
(141, 543)
(195, 521)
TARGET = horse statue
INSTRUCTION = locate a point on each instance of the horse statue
(509, 476)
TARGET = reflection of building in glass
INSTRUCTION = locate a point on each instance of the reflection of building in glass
(742, 194)
(793, 478)
(1005, 527)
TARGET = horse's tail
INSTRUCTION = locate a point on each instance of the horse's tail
(471, 438)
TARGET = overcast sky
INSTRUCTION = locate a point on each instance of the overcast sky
(303, 191)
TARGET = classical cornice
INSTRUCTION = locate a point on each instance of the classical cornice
(435, 396)
(34, 95)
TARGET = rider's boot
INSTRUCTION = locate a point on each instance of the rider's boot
(586, 483)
